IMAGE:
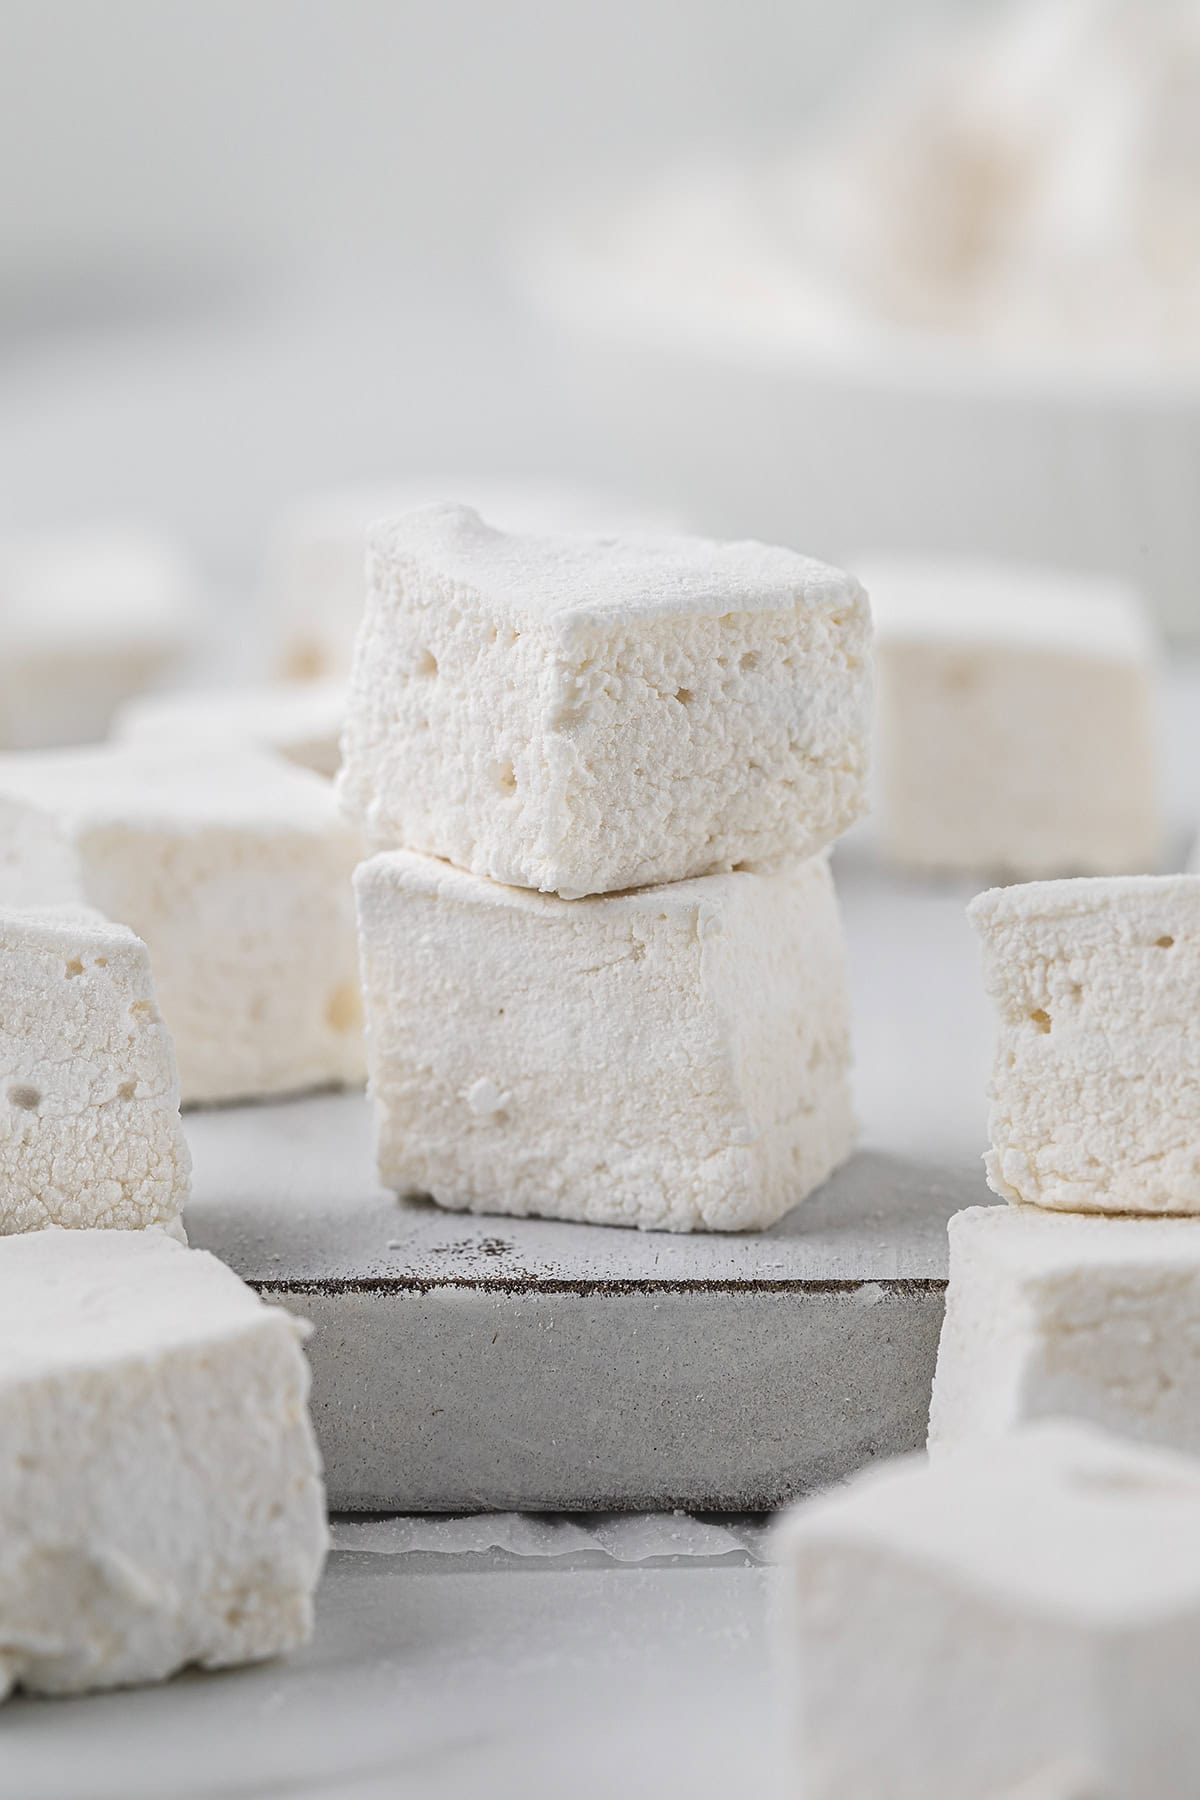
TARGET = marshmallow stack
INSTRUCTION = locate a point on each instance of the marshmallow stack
(601, 956)
(1053, 1305)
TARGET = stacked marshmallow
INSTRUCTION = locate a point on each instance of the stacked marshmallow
(601, 954)
(1018, 1612)
(1055, 1305)
(161, 1500)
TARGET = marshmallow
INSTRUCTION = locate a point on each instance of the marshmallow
(301, 721)
(585, 715)
(1015, 721)
(89, 1098)
(316, 566)
(672, 1058)
(1096, 1080)
(234, 868)
(160, 1490)
(86, 620)
(1092, 1318)
(1023, 1612)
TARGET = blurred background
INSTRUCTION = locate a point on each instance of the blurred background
(253, 250)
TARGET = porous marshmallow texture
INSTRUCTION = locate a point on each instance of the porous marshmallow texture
(1052, 1314)
(86, 620)
(234, 869)
(582, 715)
(674, 1058)
(301, 721)
(1023, 1612)
(1015, 721)
(89, 1098)
(161, 1500)
(1096, 1079)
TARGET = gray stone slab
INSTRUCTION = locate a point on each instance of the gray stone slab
(465, 1363)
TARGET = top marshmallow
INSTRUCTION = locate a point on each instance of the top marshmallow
(315, 584)
(583, 715)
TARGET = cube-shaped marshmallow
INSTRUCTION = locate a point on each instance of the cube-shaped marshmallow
(1057, 1314)
(1096, 1079)
(1015, 721)
(89, 1097)
(316, 580)
(674, 1057)
(1021, 1617)
(583, 715)
(234, 868)
(86, 620)
(298, 720)
(161, 1500)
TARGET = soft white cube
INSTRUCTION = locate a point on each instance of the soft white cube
(1096, 1080)
(1091, 1318)
(234, 868)
(300, 721)
(316, 581)
(161, 1500)
(1026, 1611)
(582, 715)
(86, 620)
(89, 1097)
(1015, 721)
(674, 1058)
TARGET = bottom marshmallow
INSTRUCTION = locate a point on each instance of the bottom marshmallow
(1069, 1314)
(673, 1058)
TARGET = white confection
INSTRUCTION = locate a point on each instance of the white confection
(89, 1098)
(234, 868)
(86, 620)
(1015, 720)
(583, 715)
(1096, 1079)
(1026, 1611)
(161, 1500)
(301, 721)
(316, 566)
(1050, 1313)
(675, 1058)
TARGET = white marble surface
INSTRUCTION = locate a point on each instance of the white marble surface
(444, 1679)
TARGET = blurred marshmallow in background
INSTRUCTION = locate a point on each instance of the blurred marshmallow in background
(1016, 720)
(1031, 183)
(300, 721)
(960, 313)
(87, 619)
